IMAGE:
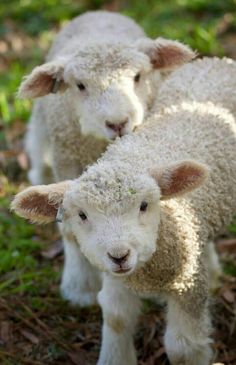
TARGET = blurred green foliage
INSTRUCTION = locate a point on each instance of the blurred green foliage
(196, 22)
(20, 268)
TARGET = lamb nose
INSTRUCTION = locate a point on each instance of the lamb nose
(116, 127)
(119, 260)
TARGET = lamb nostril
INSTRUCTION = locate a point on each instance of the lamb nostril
(110, 125)
(116, 127)
(119, 260)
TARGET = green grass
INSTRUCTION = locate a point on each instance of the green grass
(195, 22)
(22, 268)
(11, 107)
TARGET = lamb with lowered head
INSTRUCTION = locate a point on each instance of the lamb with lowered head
(101, 77)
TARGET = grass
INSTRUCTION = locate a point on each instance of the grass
(27, 28)
(22, 268)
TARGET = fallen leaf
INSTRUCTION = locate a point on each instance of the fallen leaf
(228, 295)
(54, 250)
(5, 331)
(159, 353)
(112, 5)
(228, 44)
(78, 358)
(23, 160)
(228, 245)
(30, 336)
(16, 130)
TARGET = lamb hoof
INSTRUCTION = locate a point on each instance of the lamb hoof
(117, 361)
(181, 351)
(200, 357)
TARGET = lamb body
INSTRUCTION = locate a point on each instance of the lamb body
(107, 73)
(160, 247)
(187, 129)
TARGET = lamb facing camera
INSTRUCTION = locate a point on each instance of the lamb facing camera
(146, 212)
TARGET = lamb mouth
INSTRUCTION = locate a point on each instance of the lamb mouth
(121, 271)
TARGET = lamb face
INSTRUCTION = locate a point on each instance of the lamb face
(117, 232)
(111, 93)
(110, 86)
(113, 212)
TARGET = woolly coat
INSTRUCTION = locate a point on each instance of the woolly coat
(197, 122)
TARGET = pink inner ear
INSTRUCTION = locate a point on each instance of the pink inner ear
(168, 56)
(40, 85)
(181, 179)
(39, 204)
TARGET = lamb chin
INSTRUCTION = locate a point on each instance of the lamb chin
(123, 272)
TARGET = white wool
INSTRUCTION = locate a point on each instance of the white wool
(161, 249)
(100, 81)
(193, 125)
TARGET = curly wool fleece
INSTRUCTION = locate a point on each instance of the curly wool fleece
(188, 128)
(167, 247)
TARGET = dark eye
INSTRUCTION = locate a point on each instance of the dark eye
(137, 77)
(143, 206)
(82, 215)
(81, 86)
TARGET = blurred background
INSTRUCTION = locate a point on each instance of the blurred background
(36, 325)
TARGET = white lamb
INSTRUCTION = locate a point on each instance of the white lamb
(100, 79)
(138, 219)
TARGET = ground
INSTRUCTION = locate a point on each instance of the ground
(36, 325)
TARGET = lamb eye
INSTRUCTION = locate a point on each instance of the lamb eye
(143, 206)
(83, 216)
(137, 77)
(81, 86)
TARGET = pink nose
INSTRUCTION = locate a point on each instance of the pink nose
(117, 127)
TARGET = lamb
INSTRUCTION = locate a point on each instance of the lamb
(146, 211)
(99, 80)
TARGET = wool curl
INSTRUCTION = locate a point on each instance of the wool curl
(193, 124)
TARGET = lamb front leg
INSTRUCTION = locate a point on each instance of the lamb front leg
(213, 266)
(120, 310)
(187, 335)
(38, 148)
(81, 282)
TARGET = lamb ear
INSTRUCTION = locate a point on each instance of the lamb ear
(180, 178)
(40, 203)
(166, 54)
(44, 79)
